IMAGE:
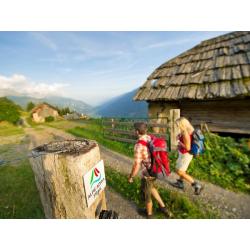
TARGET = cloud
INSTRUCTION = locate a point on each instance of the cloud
(199, 37)
(167, 43)
(19, 84)
(42, 38)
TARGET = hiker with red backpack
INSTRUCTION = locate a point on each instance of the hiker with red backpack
(150, 154)
(191, 143)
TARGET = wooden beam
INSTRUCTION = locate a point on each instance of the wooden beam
(114, 138)
(126, 132)
(174, 114)
(132, 124)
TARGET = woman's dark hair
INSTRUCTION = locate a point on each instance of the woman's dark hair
(141, 127)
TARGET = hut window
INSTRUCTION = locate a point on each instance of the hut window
(154, 83)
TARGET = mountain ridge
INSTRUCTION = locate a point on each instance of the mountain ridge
(122, 106)
(119, 106)
(61, 102)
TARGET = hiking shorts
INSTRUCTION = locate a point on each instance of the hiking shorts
(147, 183)
(183, 161)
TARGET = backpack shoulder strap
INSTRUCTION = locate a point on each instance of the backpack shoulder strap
(144, 143)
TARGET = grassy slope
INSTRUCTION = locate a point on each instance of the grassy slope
(94, 131)
(7, 129)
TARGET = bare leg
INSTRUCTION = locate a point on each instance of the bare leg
(156, 195)
(149, 207)
(185, 176)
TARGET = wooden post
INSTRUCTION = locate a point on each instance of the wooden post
(59, 168)
(204, 127)
(112, 126)
(174, 114)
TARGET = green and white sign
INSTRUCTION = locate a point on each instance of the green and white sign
(94, 182)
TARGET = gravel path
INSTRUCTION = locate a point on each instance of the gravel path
(229, 204)
(125, 208)
(13, 150)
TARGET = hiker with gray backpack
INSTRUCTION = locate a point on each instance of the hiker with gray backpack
(190, 144)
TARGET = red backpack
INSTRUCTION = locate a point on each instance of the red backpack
(159, 157)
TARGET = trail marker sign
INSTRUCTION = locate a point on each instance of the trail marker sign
(94, 182)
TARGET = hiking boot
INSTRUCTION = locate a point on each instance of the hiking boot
(166, 212)
(143, 212)
(150, 216)
(197, 188)
(178, 184)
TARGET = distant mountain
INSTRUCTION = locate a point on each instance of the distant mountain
(123, 106)
(61, 102)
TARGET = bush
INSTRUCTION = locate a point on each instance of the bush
(225, 162)
(49, 119)
(9, 111)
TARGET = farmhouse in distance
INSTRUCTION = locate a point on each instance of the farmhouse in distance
(42, 111)
(209, 83)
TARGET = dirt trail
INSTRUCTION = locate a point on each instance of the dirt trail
(229, 204)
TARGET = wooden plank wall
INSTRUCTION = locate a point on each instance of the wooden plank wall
(231, 116)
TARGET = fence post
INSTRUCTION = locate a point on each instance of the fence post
(112, 126)
(173, 115)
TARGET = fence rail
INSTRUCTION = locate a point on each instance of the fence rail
(126, 132)
(122, 130)
(159, 125)
(121, 139)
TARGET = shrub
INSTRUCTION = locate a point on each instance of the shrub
(225, 162)
(9, 111)
(49, 119)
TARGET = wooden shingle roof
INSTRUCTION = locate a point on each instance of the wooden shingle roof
(41, 106)
(216, 68)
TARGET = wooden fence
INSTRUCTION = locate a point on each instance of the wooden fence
(123, 129)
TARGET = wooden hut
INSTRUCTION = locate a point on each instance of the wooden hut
(209, 83)
(41, 111)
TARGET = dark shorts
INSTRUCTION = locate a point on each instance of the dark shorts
(147, 183)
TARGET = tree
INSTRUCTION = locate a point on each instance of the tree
(9, 111)
(65, 111)
(30, 106)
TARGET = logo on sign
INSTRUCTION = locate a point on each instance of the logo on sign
(95, 176)
(94, 182)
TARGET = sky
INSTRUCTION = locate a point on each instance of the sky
(88, 66)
